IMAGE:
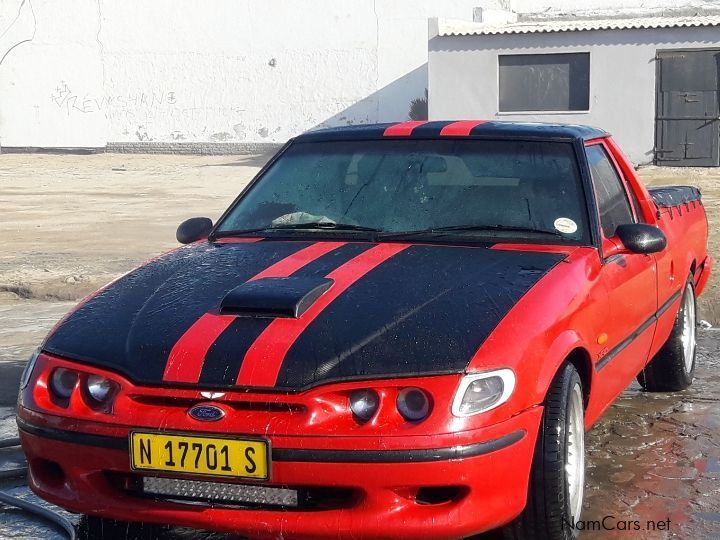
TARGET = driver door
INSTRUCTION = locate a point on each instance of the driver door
(629, 280)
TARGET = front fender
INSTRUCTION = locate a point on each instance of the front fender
(562, 314)
(567, 343)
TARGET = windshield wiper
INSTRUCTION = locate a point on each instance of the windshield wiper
(313, 226)
(324, 225)
(471, 228)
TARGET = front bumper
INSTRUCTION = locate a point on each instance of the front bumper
(74, 467)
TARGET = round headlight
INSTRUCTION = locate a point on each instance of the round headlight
(364, 403)
(62, 382)
(99, 388)
(413, 404)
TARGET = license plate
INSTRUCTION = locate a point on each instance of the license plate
(201, 455)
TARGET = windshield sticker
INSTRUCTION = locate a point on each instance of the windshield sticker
(565, 225)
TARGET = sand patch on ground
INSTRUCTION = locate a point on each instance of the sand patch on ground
(70, 224)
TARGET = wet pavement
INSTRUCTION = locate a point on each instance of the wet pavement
(657, 456)
(651, 458)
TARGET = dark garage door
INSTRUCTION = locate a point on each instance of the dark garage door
(686, 131)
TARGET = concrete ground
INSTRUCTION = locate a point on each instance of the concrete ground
(68, 224)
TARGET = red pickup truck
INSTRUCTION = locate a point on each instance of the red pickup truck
(395, 331)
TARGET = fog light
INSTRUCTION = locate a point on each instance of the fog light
(364, 403)
(220, 491)
(413, 404)
(99, 388)
(62, 382)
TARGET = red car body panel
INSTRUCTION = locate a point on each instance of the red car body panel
(600, 307)
(97, 479)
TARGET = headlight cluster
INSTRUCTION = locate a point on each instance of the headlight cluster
(412, 403)
(97, 389)
(477, 393)
(481, 392)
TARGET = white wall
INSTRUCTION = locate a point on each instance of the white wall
(463, 77)
(81, 73)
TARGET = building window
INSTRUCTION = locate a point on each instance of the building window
(544, 82)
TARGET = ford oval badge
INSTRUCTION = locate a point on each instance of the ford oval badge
(206, 413)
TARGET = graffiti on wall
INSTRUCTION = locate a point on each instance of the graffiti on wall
(142, 112)
(71, 102)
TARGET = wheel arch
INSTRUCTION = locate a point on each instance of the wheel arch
(691, 267)
(567, 348)
(579, 357)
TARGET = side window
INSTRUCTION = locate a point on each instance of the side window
(612, 199)
(636, 206)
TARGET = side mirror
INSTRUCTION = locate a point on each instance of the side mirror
(193, 229)
(641, 238)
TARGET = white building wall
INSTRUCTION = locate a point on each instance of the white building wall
(463, 77)
(82, 73)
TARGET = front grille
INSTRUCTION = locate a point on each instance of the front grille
(239, 405)
(220, 492)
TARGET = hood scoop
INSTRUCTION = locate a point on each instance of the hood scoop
(288, 297)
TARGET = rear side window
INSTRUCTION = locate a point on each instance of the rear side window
(611, 197)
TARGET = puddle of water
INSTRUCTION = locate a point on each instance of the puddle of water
(656, 456)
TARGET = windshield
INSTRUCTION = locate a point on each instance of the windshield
(515, 189)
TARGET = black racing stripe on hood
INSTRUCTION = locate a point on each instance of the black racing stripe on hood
(225, 356)
(426, 310)
(330, 261)
(223, 359)
(132, 325)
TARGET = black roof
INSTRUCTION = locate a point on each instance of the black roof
(431, 130)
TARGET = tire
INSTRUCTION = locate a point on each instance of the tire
(557, 477)
(673, 367)
(92, 528)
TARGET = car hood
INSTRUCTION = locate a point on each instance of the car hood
(290, 314)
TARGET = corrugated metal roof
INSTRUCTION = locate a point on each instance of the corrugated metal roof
(451, 27)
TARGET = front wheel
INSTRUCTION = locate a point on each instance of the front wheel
(557, 478)
(673, 367)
